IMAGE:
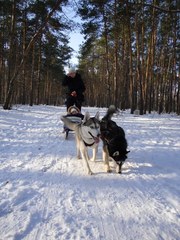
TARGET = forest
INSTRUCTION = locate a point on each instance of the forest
(129, 57)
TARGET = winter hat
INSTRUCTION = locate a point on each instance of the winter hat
(73, 109)
(71, 70)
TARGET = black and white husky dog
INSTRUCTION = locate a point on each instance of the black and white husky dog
(114, 140)
(87, 134)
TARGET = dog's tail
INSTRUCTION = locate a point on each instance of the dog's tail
(111, 110)
(69, 124)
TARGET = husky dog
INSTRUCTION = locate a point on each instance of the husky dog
(87, 135)
(114, 141)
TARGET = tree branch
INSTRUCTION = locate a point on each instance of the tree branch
(156, 7)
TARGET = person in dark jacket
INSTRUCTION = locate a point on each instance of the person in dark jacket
(76, 88)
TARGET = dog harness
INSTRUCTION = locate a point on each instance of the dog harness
(87, 144)
(92, 137)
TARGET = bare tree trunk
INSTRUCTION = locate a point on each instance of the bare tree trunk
(152, 57)
(24, 93)
(32, 78)
(132, 84)
(3, 82)
(107, 74)
(138, 70)
(11, 58)
(176, 74)
(39, 71)
(116, 41)
(160, 83)
(178, 98)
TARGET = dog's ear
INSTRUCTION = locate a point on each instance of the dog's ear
(97, 116)
(86, 117)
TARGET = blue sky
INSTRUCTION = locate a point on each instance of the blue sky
(75, 40)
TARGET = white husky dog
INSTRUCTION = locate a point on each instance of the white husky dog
(87, 135)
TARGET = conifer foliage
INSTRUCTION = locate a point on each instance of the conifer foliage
(34, 49)
(130, 54)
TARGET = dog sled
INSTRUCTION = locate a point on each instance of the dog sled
(75, 116)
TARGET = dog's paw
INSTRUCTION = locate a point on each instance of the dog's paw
(90, 173)
(107, 169)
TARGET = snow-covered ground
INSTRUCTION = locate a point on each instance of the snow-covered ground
(46, 194)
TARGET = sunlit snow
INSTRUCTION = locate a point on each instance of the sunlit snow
(46, 194)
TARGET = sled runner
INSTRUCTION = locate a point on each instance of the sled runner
(75, 116)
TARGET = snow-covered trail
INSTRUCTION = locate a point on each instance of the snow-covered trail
(45, 192)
